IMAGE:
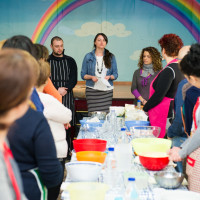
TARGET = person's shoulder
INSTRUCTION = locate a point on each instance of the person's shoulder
(137, 71)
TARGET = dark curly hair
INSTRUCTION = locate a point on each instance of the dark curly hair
(190, 64)
(108, 55)
(156, 58)
(172, 43)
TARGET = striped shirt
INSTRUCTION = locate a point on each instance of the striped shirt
(64, 74)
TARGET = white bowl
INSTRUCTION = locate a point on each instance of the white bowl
(83, 171)
(119, 110)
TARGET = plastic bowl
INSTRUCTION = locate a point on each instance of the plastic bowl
(89, 145)
(83, 170)
(154, 161)
(92, 124)
(130, 124)
(94, 156)
(143, 145)
(99, 114)
(119, 110)
(169, 180)
(87, 191)
(145, 131)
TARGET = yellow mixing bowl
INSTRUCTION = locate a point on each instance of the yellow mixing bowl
(87, 191)
(143, 145)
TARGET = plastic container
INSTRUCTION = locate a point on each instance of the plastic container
(136, 123)
(94, 156)
(83, 171)
(89, 145)
(87, 191)
(142, 145)
(131, 190)
(94, 124)
(154, 161)
(111, 168)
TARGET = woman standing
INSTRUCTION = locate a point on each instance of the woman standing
(149, 65)
(190, 149)
(16, 68)
(99, 69)
(163, 87)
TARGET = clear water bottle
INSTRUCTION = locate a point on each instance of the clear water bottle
(131, 190)
(113, 125)
(123, 137)
(111, 168)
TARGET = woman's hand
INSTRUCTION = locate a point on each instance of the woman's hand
(107, 77)
(94, 78)
(174, 154)
(67, 126)
(144, 102)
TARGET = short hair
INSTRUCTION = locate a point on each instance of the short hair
(55, 38)
(20, 42)
(172, 43)
(155, 56)
(17, 69)
(44, 73)
(190, 64)
(41, 52)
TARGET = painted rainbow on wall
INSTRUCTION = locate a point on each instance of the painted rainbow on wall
(186, 11)
(54, 14)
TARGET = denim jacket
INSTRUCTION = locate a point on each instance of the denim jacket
(88, 67)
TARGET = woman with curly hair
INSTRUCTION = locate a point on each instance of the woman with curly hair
(149, 65)
(163, 87)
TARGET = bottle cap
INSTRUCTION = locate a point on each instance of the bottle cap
(123, 129)
(111, 149)
(138, 100)
(131, 179)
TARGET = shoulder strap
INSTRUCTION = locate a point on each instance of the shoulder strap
(172, 70)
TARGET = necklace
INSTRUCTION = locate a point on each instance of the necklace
(100, 69)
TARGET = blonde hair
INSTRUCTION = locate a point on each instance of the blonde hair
(44, 73)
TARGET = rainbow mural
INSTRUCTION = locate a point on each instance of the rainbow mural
(186, 11)
(54, 14)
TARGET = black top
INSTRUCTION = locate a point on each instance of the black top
(63, 71)
(165, 85)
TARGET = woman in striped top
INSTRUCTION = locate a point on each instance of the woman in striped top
(99, 69)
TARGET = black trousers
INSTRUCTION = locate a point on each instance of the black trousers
(54, 191)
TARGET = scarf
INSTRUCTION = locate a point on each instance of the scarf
(147, 69)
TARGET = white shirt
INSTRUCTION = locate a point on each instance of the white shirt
(100, 73)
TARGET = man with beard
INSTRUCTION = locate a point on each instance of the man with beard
(63, 76)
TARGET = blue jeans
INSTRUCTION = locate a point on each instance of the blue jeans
(176, 142)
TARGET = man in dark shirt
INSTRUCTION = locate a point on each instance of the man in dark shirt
(63, 76)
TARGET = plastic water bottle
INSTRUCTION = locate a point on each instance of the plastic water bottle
(113, 125)
(111, 168)
(123, 137)
(131, 190)
(138, 104)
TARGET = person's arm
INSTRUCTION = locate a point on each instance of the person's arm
(50, 89)
(50, 169)
(54, 110)
(73, 74)
(164, 81)
(114, 74)
(191, 144)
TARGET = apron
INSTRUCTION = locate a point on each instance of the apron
(193, 160)
(7, 156)
(158, 115)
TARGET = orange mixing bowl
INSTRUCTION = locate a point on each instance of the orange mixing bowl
(154, 161)
(95, 156)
